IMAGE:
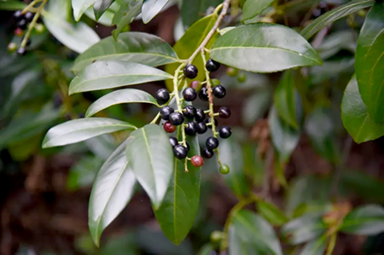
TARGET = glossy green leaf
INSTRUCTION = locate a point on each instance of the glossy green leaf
(192, 11)
(78, 130)
(129, 9)
(12, 5)
(178, 211)
(252, 235)
(252, 8)
(365, 220)
(111, 192)
(122, 96)
(356, 119)
(106, 18)
(231, 155)
(113, 74)
(304, 229)
(334, 15)
(369, 63)
(135, 47)
(271, 213)
(151, 8)
(187, 44)
(284, 138)
(101, 6)
(264, 48)
(316, 247)
(151, 158)
(79, 7)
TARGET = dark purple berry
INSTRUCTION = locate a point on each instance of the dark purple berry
(18, 15)
(21, 51)
(203, 94)
(166, 111)
(162, 96)
(190, 71)
(219, 91)
(224, 112)
(189, 94)
(22, 24)
(176, 118)
(200, 115)
(207, 153)
(173, 140)
(201, 128)
(189, 111)
(212, 65)
(212, 143)
(29, 16)
(191, 128)
(225, 132)
(180, 151)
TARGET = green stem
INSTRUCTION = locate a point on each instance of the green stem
(332, 243)
(156, 118)
(178, 101)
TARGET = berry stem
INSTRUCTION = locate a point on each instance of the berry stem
(156, 118)
(29, 7)
(176, 83)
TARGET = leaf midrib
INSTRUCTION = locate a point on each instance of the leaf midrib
(150, 160)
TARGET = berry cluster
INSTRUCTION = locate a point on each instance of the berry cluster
(22, 21)
(193, 120)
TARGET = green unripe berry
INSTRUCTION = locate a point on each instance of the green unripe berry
(216, 236)
(224, 169)
(232, 72)
(12, 47)
(215, 82)
(241, 77)
(39, 28)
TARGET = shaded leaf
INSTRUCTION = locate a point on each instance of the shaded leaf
(151, 8)
(316, 247)
(83, 173)
(129, 9)
(271, 213)
(256, 105)
(12, 5)
(252, 8)
(79, 7)
(101, 6)
(207, 249)
(191, 11)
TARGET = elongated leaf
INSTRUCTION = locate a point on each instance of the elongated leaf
(334, 15)
(113, 74)
(356, 119)
(101, 6)
(365, 220)
(79, 7)
(264, 48)
(177, 213)
(252, 8)
(123, 96)
(74, 131)
(284, 138)
(316, 247)
(253, 233)
(187, 44)
(129, 9)
(107, 17)
(369, 63)
(151, 8)
(12, 5)
(135, 47)
(192, 11)
(111, 192)
(271, 213)
(151, 158)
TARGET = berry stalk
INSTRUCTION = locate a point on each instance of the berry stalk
(178, 100)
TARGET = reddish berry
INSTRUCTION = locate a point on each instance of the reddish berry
(197, 161)
(195, 85)
(19, 32)
(169, 128)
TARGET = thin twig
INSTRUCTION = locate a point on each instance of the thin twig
(33, 23)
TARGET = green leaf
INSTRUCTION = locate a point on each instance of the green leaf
(178, 211)
(264, 48)
(315, 247)
(135, 47)
(369, 63)
(187, 44)
(12, 5)
(122, 96)
(231, 155)
(151, 8)
(128, 11)
(304, 229)
(106, 18)
(111, 192)
(207, 249)
(256, 105)
(271, 213)
(356, 119)
(285, 99)
(192, 11)
(252, 8)
(252, 233)
(83, 173)
(284, 138)
(113, 74)
(151, 158)
(79, 7)
(78, 130)
(100, 7)
(365, 220)
(78, 37)
(334, 15)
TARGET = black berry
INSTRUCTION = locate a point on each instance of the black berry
(207, 153)
(212, 143)
(162, 96)
(207, 121)
(225, 132)
(203, 94)
(201, 128)
(212, 65)
(200, 115)
(189, 94)
(189, 111)
(21, 51)
(219, 91)
(173, 140)
(191, 128)
(180, 151)
(190, 71)
(165, 112)
(176, 118)
(29, 16)
(22, 24)
(224, 112)
(18, 15)
(169, 128)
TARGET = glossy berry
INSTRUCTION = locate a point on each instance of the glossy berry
(176, 118)
(191, 128)
(232, 72)
(203, 94)
(207, 153)
(22, 24)
(169, 128)
(224, 169)
(207, 121)
(162, 96)
(200, 115)
(173, 140)
(18, 32)
(219, 91)
(224, 112)
(189, 111)
(225, 132)
(197, 161)
(196, 85)
(180, 151)
(201, 128)
(165, 112)
(189, 94)
(18, 15)
(212, 143)
(29, 16)
(190, 71)
(215, 82)
(212, 65)
(21, 51)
